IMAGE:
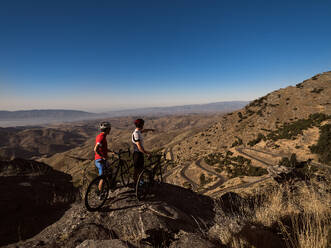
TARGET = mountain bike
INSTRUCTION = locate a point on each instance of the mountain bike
(95, 198)
(149, 177)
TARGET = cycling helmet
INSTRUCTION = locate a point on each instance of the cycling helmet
(139, 123)
(104, 126)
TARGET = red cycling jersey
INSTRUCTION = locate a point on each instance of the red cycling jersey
(103, 147)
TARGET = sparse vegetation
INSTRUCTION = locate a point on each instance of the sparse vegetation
(300, 85)
(315, 77)
(291, 130)
(260, 137)
(257, 102)
(213, 158)
(250, 112)
(323, 146)
(238, 142)
(303, 169)
(259, 112)
(204, 180)
(241, 117)
(234, 166)
(317, 90)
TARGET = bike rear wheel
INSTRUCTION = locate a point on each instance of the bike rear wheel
(125, 173)
(144, 184)
(94, 198)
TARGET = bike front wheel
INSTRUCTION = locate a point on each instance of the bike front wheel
(144, 184)
(94, 197)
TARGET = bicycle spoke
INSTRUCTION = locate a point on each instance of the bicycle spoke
(95, 198)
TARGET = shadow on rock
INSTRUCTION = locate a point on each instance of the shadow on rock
(33, 196)
(260, 236)
(158, 219)
(199, 208)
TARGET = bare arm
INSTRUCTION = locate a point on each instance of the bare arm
(141, 148)
(148, 130)
(96, 150)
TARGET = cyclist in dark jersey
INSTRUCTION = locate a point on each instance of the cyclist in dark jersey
(101, 149)
(138, 147)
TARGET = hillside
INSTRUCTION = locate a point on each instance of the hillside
(284, 122)
(34, 142)
(264, 115)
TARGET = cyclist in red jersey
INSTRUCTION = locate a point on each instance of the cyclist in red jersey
(101, 149)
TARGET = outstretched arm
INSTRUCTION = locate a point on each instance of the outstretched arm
(148, 130)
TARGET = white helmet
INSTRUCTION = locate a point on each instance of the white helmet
(105, 125)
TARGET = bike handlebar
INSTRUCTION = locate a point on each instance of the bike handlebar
(120, 151)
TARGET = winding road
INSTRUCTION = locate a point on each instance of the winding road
(273, 170)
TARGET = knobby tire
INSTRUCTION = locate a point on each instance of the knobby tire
(144, 184)
(92, 199)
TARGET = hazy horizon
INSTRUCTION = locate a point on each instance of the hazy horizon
(115, 55)
(98, 111)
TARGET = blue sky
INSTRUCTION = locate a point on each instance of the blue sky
(105, 55)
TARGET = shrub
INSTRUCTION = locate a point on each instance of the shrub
(257, 102)
(238, 142)
(300, 85)
(323, 146)
(260, 113)
(317, 91)
(229, 153)
(291, 130)
(260, 137)
(256, 171)
(202, 179)
(250, 112)
(213, 158)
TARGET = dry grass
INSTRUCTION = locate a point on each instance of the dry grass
(297, 215)
(302, 214)
(311, 227)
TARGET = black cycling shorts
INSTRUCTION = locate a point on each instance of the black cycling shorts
(138, 160)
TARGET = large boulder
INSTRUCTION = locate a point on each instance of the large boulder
(33, 196)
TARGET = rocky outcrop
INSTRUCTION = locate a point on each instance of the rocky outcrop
(171, 217)
(33, 196)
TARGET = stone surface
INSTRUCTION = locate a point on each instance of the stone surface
(33, 196)
(113, 243)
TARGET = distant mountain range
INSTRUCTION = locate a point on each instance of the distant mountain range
(38, 117)
(44, 113)
(184, 109)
